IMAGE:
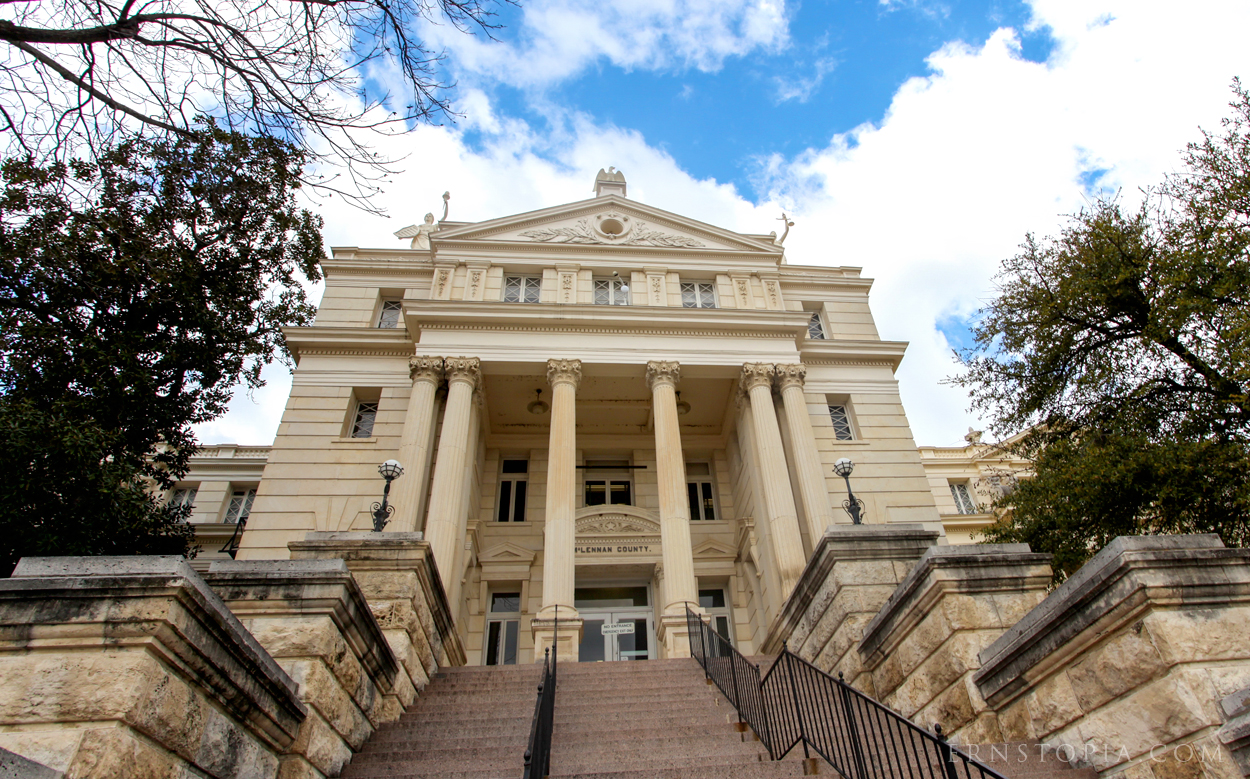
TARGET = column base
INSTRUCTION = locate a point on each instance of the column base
(674, 631)
(566, 639)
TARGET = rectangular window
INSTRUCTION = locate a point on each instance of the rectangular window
(522, 289)
(611, 292)
(697, 294)
(512, 483)
(700, 491)
(841, 423)
(502, 634)
(963, 498)
(366, 415)
(183, 496)
(240, 506)
(716, 606)
(607, 483)
(388, 317)
(815, 330)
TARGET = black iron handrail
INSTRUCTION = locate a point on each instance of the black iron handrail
(538, 753)
(796, 702)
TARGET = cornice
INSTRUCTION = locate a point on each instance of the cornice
(347, 341)
(837, 351)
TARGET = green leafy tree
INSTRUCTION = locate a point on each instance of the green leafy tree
(135, 291)
(1125, 339)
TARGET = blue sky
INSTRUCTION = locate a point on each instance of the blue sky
(917, 139)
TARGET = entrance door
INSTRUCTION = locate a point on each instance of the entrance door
(615, 635)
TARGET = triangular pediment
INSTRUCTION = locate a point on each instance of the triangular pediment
(715, 550)
(610, 221)
(506, 553)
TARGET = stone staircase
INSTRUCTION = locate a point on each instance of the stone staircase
(656, 719)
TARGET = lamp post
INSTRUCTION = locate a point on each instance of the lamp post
(853, 505)
(390, 470)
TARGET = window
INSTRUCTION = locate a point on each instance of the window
(362, 423)
(501, 632)
(717, 609)
(696, 294)
(815, 329)
(512, 482)
(611, 292)
(700, 490)
(608, 482)
(963, 498)
(841, 423)
(240, 506)
(521, 289)
(388, 317)
(183, 496)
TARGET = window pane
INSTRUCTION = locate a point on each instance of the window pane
(247, 505)
(709, 505)
(603, 292)
(511, 629)
(620, 493)
(516, 466)
(505, 500)
(841, 423)
(712, 599)
(512, 289)
(532, 288)
(722, 627)
(518, 507)
(596, 493)
(707, 298)
(492, 644)
(366, 413)
(814, 328)
(692, 490)
(689, 298)
(505, 602)
(389, 317)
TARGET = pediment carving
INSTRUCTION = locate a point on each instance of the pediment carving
(713, 549)
(616, 521)
(622, 230)
(506, 553)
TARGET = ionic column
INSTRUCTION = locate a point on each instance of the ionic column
(415, 442)
(559, 534)
(812, 488)
(783, 520)
(442, 527)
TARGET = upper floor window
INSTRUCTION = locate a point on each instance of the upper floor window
(815, 329)
(611, 292)
(388, 317)
(963, 497)
(183, 496)
(841, 423)
(701, 491)
(512, 488)
(240, 506)
(608, 482)
(698, 294)
(521, 289)
(366, 415)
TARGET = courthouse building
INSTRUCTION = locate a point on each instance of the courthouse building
(604, 412)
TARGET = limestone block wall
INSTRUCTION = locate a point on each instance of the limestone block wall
(921, 649)
(1128, 659)
(312, 618)
(1235, 735)
(850, 576)
(132, 666)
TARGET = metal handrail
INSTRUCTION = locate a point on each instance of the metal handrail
(796, 702)
(538, 753)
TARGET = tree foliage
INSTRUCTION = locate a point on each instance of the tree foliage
(1126, 340)
(78, 71)
(136, 290)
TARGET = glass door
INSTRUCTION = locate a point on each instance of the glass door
(614, 636)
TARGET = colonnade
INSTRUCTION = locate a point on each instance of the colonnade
(447, 515)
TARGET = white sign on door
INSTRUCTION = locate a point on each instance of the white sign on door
(617, 629)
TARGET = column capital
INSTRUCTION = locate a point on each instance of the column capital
(663, 371)
(791, 375)
(425, 369)
(756, 374)
(564, 372)
(466, 369)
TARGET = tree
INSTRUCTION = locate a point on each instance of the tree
(136, 290)
(1126, 341)
(81, 71)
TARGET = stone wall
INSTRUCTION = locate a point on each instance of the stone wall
(921, 648)
(312, 617)
(1127, 660)
(132, 666)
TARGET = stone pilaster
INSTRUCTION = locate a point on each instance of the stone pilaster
(442, 527)
(812, 488)
(415, 443)
(560, 532)
(783, 519)
(680, 588)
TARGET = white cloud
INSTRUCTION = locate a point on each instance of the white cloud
(928, 201)
(801, 87)
(557, 39)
